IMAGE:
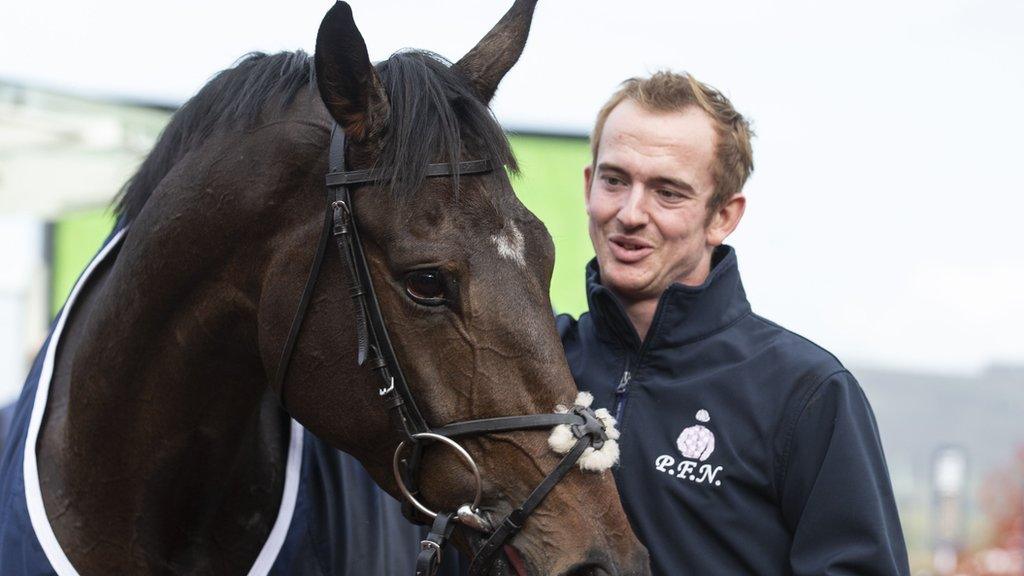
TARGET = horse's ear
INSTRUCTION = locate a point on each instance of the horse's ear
(486, 64)
(348, 83)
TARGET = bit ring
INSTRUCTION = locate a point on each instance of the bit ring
(396, 469)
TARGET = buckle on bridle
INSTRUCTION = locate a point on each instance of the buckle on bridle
(428, 545)
(342, 218)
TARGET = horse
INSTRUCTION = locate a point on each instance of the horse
(165, 432)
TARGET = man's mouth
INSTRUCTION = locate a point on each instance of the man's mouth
(629, 249)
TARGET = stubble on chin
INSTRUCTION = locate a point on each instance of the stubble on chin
(629, 286)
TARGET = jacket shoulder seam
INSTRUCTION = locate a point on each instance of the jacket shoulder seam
(790, 429)
(801, 337)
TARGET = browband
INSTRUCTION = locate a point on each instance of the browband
(347, 178)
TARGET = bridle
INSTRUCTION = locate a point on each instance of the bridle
(375, 349)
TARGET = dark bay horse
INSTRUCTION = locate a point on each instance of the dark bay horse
(156, 442)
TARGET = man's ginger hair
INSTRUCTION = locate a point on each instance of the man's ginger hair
(667, 91)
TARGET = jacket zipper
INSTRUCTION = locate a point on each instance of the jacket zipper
(620, 391)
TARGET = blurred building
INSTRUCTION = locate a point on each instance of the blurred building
(58, 154)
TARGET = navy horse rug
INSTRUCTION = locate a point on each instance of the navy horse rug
(332, 519)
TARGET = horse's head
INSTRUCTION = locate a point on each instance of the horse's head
(462, 271)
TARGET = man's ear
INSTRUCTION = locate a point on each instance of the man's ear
(725, 220)
(588, 179)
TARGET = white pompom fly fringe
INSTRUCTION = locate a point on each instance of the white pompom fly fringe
(594, 460)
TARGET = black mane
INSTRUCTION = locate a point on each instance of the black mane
(432, 109)
(234, 98)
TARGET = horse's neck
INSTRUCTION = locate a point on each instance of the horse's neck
(161, 432)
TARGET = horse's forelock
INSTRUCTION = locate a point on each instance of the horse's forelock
(435, 117)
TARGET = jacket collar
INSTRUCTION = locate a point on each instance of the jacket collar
(684, 314)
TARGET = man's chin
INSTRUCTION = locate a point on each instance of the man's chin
(630, 281)
(629, 288)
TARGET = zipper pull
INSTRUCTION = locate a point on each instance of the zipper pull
(621, 388)
(620, 393)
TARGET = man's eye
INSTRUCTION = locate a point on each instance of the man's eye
(613, 181)
(425, 287)
(670, 194)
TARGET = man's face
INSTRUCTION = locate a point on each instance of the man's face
(647, 198)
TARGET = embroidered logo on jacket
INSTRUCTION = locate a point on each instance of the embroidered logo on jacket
(695, 444)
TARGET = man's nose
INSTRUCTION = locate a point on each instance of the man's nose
(633, 212)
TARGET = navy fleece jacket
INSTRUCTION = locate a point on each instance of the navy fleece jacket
(746, 449)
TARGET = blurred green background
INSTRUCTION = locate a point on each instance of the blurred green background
(550, 185)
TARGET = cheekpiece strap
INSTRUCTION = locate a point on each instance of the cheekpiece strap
(374, 344)
(429, 558)
(373, 341)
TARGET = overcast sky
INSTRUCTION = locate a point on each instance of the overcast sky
(884, 215)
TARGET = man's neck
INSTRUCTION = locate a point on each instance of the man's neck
(641, 312)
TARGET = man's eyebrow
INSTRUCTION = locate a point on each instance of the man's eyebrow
(609, 167)
(656, 181)
(673, 182)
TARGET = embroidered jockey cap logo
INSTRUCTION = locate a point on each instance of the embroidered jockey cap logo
(697, 442)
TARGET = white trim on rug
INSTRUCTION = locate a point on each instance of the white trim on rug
(275, 541)
(33, 492)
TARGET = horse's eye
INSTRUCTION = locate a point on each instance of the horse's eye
(425, 287)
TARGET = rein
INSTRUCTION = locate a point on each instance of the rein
(589, 430)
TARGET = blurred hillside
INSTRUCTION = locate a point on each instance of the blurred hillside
(920, 413)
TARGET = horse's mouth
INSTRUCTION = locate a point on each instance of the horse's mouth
(515, 559)
(510, 562)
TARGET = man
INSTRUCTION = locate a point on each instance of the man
(746, 449)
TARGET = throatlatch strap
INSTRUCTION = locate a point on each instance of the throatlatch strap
(300, 313)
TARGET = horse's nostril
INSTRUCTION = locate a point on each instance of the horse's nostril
(589, 570)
